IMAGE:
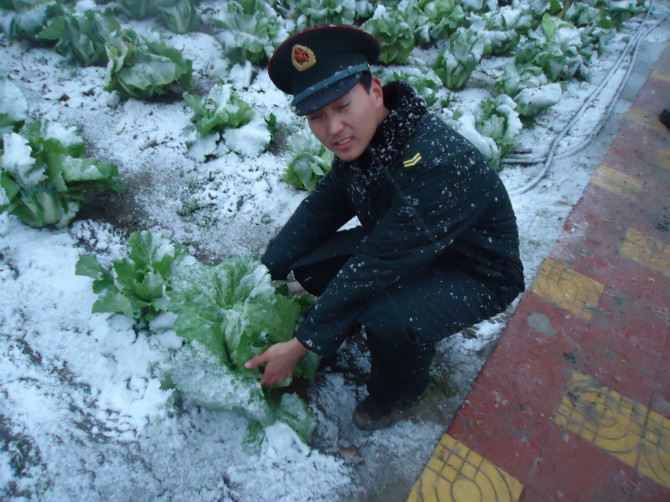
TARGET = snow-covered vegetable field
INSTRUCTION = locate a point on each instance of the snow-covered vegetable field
(89, 406)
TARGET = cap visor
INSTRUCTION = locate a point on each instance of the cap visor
(327, 95)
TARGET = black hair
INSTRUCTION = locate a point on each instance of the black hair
(366, 80)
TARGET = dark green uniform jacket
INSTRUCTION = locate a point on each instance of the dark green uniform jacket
(424, 196)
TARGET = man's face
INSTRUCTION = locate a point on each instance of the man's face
(346, 126)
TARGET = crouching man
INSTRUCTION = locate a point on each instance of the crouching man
(437, 249)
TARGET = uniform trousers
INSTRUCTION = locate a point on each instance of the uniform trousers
(403, 324)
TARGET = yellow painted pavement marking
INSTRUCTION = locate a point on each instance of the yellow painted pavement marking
(455, 473)
(645, 118)
(664, 157)
(567, 288)
(616, 182)
(647, 251)
(618, 425)
(657, 74)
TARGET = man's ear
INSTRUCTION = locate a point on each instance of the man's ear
(377, 91)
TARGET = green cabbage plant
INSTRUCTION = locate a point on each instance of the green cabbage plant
(180, 16)
(425, 82)
(395, 31)
(27, 18)
(13, 107)
(491, 125)
(142, 68)
(136, 9)
(500, 43)
(230, 313)
(321, 12)
(538, 8)
(308, 161)
(226, 314)
(249, 30)
(438, 20)
(514, 78)
(619, 12)
(532, 100)
(215, 114)
(556, 47)
(220, 109)
(458, 59)
(509, 18)
(138, 284)
(529, 87)
(235, 311)
(81, 36)
(43, 174)
(497, 119)
(198, 375)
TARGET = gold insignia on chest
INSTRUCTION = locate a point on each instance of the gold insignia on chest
(302, 57)
(413, 161)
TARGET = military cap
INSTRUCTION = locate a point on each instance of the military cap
(321, 64)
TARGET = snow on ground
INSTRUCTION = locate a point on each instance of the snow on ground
(82, 412)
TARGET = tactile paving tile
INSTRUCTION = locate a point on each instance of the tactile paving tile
(455, 473)
(618, 425)
(617, 182)
(647, 251)
(567, 288)
(664, 156)
(645, 118)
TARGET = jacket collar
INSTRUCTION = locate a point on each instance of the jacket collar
(390, 139)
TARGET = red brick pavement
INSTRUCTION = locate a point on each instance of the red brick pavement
(613, 257)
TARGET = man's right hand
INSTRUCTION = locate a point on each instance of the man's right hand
(280, 360)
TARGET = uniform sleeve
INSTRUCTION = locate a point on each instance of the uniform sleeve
(431, 208)
(316, 218)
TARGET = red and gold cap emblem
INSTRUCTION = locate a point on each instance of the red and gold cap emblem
(302, 57)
